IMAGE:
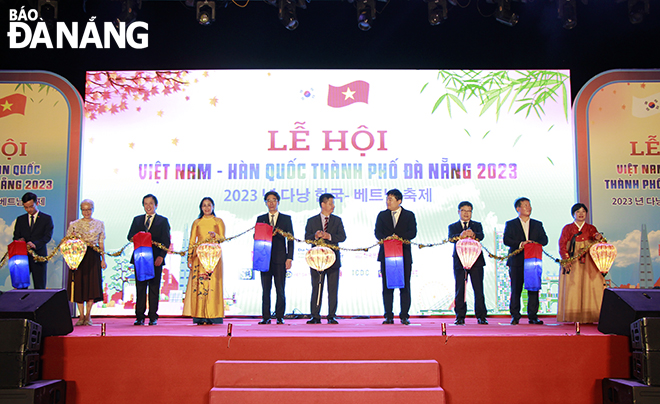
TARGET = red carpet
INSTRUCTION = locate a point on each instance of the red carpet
(498, 363)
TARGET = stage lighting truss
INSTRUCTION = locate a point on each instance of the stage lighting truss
(567, 12)
(205, 12)
(437, 11)
(637, 9)
(286, 11)
(366, 13)
(47, 12)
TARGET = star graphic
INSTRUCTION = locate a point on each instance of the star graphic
(187, 98)
(214, 101)
(348, 94)
(130, 145)
(623, 106)
(6, 106)
(205, 74)
(643, 85)
(175, 142)
(160, 113)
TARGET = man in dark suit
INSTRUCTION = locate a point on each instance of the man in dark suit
(518, 232)
(464, 228)
(281, 257)
(396, 220)
(36, 229)
(159, 227)
(330, 229)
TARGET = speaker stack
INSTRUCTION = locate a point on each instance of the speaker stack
(22, 313)
(638, 310)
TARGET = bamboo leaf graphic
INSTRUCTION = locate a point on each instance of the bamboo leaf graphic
(486, 134)
(468, 133)
(423, 88)
(516, 141)
(550, 160)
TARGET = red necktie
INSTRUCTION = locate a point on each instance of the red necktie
(325, 224)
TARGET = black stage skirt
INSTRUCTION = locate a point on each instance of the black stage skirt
(87, 278)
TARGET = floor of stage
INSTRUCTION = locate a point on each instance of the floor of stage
(347, 327)
(173, 362)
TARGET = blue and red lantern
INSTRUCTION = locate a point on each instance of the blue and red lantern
(143, 256)
(263, 242)
(533, 268)
(394, 264)
(19, 266)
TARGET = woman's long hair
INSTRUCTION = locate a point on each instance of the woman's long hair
(201, 212)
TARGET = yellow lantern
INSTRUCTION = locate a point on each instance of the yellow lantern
(209, 254)
(603, 255)
(73, 251)
(320, 258)
(468, 251)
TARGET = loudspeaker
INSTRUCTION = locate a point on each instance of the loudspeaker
(621, 307)
(18, 369)
(645, 334)
(47, 307)
(646, 367)
(623, 391)
(19, 335)
(39, 392)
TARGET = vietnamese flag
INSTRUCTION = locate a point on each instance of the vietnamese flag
(394, 264)
(13, 104)
(356, 91)
(532, 266)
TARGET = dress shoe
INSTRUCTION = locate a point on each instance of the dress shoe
(332, 321)
(482, 320)
(153, 322)
(280, 321)
(537, 321)
(388, 321)
(515, 321)
(139, 322)
(459, 321)
(314, 321)
(405, 321)
(265, 321)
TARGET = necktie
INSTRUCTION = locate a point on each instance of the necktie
(394, 218)
(31, 221)
(272, 220)
(325, 224)
(148, 223)
(465, 226)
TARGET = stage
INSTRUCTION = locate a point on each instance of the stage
(497, 363)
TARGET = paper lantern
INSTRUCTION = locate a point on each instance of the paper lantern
(263, 244)
(143, 257)
(320, 258)
(468, 251)
(19, 266)
(209, 254)
(73, 251)
(603, 255)
(393, 251)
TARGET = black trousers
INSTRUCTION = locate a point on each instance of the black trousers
(517, 280)
(404, 293)
(277, 272)
(38, 270)
(476, 274)
(332, 276)
(154, 294)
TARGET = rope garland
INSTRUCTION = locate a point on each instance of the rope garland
(320, 242)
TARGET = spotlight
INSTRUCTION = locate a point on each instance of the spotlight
(437, 11)
(567, 12)
(637, 9)
(366, 12)
(286, 11)
(128, 12)
(205, 12)
(48, 12)
(503, 13)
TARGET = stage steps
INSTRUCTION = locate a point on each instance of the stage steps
(294, 382)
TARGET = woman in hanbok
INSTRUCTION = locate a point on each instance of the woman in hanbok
(581, 284)
(88, 277)
(204, 301)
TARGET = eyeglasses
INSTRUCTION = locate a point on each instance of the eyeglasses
(271, 200)
(466, 211)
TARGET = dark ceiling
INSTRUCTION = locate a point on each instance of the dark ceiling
(252, 37)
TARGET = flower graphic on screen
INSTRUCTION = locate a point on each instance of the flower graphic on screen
(112, 92)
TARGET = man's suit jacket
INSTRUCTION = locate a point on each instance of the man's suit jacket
(160, 232)
(281, 248)
(335, 228)
(514, 235)
(40, 234)
(406, 228)
(455, 230)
